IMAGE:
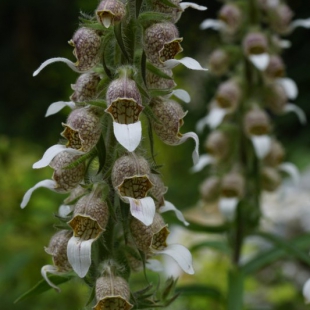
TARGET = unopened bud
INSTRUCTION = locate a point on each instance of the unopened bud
(256, 122)
(275, 155)
(231, 15)
(85, 87)
(233, 185)
(217, 145)
(276, 67)
(255, 43)
(161, 43)
(270, 179)
(218, 62)
(228, 95)
(110, 12)
(112, 292)
(210, 189)
(83, 129)
(86, 43)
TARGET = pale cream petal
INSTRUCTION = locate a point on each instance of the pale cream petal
(213, 24)
(262, 145)
(50, 184)
(57, 106)
(227, 207)
(65, 210)
(182, 94)
(195, 154)
(306, 291)
(260, 61)
(216, 116)
(185, 5)
(168, 206)
(290, 107)
(129, 136)
(154, 265)
(305, 23)
(289, 86)
(188, 62)
(50, 269)
(291, 170)
(203, 161)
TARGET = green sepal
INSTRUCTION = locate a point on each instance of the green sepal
(160, 92)
(157, 71)
(82, 159)
(168, 3)
(91, 296)
(102, 153)
(146, 18)
(98, 103)
(42, 286)
(120, 41)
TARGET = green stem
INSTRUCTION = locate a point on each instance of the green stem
(235, 290)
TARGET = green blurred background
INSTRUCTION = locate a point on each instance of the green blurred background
(33, 31)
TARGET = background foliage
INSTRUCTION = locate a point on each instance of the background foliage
(33, 31)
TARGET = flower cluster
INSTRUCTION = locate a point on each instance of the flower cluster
(242, 149)
(111, 218)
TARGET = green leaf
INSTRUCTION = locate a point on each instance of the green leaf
(200, 290)
(159, 92)
(142, 91)
(150, 115)
(168, 3)
(82, 159)
(91, 296)
(207, 228)
(283, 250)
(215, 245)
(102, 153)
(157, 71)
(98, 103)
(42, 286)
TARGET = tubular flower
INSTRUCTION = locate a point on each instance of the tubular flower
(64, 179)
(86, 43)
(82, 129)
(210, 189)
(90, 218)
(85, 89)
(270, 179)
(112, 292)
(110, 12)
(125, 105)
(161, 43)
(226, 101)
(152, 240)
(154, 81)
(257, 128)
(175, 12)
(219, 62)
(131, 180)
(275, 68)
(58, 250)
(170, 118)
(255, 47)
(232, 190)
(280, 18)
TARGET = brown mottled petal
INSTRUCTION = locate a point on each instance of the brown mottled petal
(135, 186)
(110, 12)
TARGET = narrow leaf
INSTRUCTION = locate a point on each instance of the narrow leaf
(146, 17)
(42, 286)
(207, 228)
(157, 71)
(235, 290)
(200, 290)
(215, 245)
(119, 39)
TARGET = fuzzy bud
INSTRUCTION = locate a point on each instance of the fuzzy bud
(161, 43)
(58, 249)
(124, 100)
(233, 185)
(256, 122)
(86, 43)
(85, 87)
(275, 155)
(130, 176)
(110, 12)
(210, 189)
(66, 178)
(112, 292)
(270, 179)
(148, 237)
(228, 95)
(83, 129)
(170, 116)
(255, 43)
(218, 62)
(276, 67)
